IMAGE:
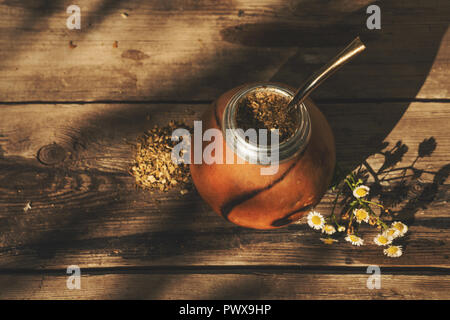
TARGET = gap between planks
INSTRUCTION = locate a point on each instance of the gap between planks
(318, 101)
(238, 269)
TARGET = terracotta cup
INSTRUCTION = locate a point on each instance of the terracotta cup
(244, 196)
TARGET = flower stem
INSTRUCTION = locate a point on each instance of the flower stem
(374, 203)
(349, 184)
(333, 216)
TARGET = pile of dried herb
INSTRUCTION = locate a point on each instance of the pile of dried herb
(267, 110)
(153, 167)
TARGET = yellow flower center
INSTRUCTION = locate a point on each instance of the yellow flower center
(391, 232)
(382, 239)
(361, 192)
(361, 214)
(354, 238)
(392, 250)
(399, 227)
(316, 220)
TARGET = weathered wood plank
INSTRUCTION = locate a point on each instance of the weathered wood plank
(86, 211)
(185, 50)
(98, 136)
(225, 286)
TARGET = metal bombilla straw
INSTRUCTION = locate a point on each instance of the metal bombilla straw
(352, 50)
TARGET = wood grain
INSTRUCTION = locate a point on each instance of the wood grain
(191, 50)
(225, 286)
(86, 211)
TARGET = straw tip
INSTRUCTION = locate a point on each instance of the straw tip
(359, 42)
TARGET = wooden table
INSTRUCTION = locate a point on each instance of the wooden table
(72, 101)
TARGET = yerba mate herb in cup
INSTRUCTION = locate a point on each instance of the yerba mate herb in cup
(267, 110)
(258, 108)
(153, 167)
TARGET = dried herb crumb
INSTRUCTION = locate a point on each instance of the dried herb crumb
(267, 110)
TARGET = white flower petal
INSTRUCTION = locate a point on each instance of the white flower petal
(328, 229)
(382, 240)
(391, 233)
(315, 220)
(401, 227)
(393, 251)
(361, 191)
(355, 240)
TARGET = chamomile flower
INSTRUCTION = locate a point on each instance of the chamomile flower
(393, 251)
(355, 240)
(341, 229)
(382, 240)
(391, 233)
(361, 215)
(328, 229)
(315, 220)
(361, 191)
(401, 227)
(328, 240)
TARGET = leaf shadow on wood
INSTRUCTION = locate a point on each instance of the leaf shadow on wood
(402, 190)
(394, 185)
